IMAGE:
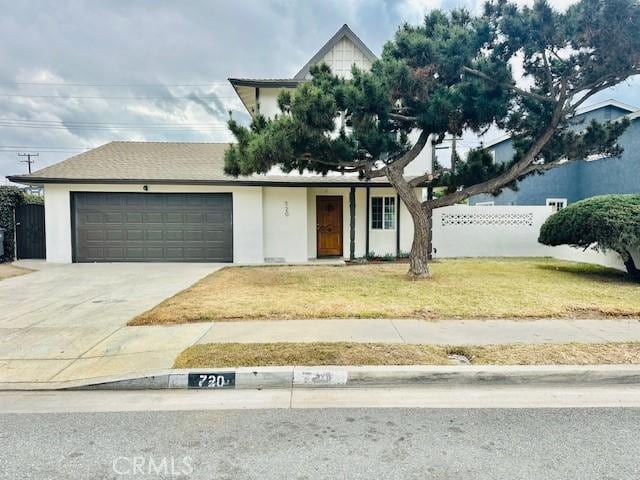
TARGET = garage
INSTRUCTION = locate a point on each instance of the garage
(152, 227)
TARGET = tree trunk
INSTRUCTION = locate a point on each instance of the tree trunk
(630, 265)
(418, 263)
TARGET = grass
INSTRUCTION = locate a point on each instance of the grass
(461, 288)
(7, 271)
(274, 354)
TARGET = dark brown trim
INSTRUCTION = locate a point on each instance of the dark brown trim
(366, 241)
(257, 100)
(397, 225)
(72, 205)
(239, 183)
(266, 83)
(430, 224)
(352, 223)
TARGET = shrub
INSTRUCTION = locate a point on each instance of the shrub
(10, 197)
(607, 222)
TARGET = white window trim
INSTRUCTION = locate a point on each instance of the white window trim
(485, 204)
(395, 212)
(553, 202)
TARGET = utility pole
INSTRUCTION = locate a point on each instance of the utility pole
(28, 161)
(454, 155)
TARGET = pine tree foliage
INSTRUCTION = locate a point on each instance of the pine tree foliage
(454, 73)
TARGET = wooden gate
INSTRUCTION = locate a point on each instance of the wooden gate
(30, 235)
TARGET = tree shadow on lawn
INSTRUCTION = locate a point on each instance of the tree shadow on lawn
(590, 271)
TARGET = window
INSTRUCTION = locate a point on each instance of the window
(383, 213)
(556, 204)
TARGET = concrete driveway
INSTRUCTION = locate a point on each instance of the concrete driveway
(65, 322)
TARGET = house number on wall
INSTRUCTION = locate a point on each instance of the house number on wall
(286, 209)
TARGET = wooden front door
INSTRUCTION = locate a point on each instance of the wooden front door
(329, 226)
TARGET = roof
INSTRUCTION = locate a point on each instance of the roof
(167, 162)
(344, 31)
(246, 87)
(266, 82)
(606, 103)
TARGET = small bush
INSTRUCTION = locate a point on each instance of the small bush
(10, 197)
(607, 222)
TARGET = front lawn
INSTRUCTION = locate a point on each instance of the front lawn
(460, 288)
(219, 355)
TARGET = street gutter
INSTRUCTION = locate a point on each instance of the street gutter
(351, 377)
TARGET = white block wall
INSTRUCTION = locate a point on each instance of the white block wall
(505, 231)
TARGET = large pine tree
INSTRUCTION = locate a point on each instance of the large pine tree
(452, 74)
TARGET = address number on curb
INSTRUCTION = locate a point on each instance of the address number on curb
(212, 380)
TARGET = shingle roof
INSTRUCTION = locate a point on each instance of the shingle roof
(165, 162)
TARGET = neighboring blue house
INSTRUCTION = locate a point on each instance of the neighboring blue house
(581, 179)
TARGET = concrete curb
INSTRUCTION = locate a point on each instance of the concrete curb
(354, 377)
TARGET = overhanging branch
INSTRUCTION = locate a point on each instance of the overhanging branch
(509, 85)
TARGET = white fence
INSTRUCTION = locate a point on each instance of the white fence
(502, 231)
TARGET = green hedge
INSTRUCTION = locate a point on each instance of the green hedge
(606, 222)
(10, 197)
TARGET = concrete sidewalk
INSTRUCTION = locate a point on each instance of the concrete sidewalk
(141, 350)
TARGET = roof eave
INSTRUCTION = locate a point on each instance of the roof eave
(266, 83)
(231, 182)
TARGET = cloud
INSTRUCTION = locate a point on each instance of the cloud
(413, 11)
(157, 70)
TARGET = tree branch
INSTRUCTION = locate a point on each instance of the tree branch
(543, 167)
(511, 86)
(417, 181)
(548, 71)
(402, 118)
(413, 152)
(510, 175)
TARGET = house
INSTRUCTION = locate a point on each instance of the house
(581, 179)
(172, 202)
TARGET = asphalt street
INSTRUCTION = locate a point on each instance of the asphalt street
(365, 443)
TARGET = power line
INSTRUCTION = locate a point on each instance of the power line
(30, 147)
(125, 124)
(107, 128)
(96, 97)
(136, 85)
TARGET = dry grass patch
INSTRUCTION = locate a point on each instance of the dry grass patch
(218, 355)
(460, 288)
(7, 271)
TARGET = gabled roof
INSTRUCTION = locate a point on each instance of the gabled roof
(168, 163)
(345, 31)
(606, 103)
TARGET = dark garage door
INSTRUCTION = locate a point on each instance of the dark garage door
(152, 227)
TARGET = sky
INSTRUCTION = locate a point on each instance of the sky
(77, 74)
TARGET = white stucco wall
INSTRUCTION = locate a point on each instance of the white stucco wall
(383, 242)
(285, 224)
(247, 216)
(269, 101)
